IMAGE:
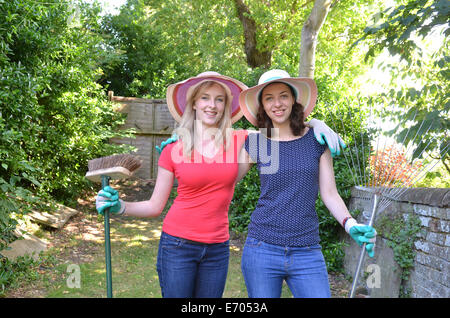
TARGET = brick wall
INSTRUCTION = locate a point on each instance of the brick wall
(430, 276)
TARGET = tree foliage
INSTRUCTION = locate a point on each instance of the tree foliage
(191, 37)
(420, 73)
(54, 116)
(142, 61)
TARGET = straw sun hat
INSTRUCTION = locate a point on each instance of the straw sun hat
(305, 91)
(178, 93)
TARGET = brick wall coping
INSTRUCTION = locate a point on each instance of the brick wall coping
(438, 197)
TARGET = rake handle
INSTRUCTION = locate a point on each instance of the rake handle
(362, 254)
(105, 183)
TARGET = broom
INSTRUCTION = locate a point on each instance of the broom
(103, 170)
(390, 169)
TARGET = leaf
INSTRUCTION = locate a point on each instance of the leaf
(4, 187)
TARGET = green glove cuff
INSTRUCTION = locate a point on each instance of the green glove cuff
(170, 140)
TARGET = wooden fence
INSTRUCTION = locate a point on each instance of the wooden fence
(153, 124)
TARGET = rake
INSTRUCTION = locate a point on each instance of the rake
(385, 164)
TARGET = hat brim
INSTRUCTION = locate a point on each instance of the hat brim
(177, 94)
(305, 89)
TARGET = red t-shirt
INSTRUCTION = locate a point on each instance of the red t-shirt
(205, 189)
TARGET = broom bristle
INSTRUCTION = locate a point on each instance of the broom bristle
(127, 161)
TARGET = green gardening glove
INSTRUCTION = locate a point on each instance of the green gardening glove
(109, 198)
(362, 234)
(325, 135)
(174, 138)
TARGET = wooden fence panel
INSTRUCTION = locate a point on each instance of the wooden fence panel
(153, 124)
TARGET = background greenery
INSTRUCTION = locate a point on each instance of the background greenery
(58, 59)
(54, 116)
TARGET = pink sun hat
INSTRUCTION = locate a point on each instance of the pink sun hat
(178, 93)
(305, 92)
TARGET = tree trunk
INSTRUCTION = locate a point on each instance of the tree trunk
(309, 35)
(255, 57)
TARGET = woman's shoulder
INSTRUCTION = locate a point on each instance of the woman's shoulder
(167, 147)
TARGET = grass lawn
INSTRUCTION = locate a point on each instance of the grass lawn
(78, 248)
(134, 248)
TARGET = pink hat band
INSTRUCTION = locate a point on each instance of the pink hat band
(177, 94)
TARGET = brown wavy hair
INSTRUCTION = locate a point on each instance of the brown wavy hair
(296, 118)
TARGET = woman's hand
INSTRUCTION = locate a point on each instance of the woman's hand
(109, 198)
(325, 134)
(362, 234)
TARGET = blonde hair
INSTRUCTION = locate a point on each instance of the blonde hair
(186, 127)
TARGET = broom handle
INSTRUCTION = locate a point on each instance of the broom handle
(363, 252)
(105, 183)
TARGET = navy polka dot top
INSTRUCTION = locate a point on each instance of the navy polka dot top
(289, 172)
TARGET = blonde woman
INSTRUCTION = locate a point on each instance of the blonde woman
(194, 250)
(194, 246)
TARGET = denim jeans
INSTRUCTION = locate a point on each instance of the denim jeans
(265, 266)
(189, 269)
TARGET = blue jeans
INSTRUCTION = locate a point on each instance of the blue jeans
(265, 266)
(189, 269)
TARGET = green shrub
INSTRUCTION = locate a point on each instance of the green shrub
(54, 117)
(13, 272)
(246, 194)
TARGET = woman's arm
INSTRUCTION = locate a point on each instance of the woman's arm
(359, 232)
(158, 200)
(328, 190)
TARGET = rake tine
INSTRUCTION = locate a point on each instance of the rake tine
(356, 147)
(411, 176)
(394, 172)
(372, 116)
(421, 174)
(362, 144)
(394, 193)
(392, 166)
(404, 164)
(357, 167)
(414, 178)
(386, 141)
(401, 191)
(376, 177)
(344, 152)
